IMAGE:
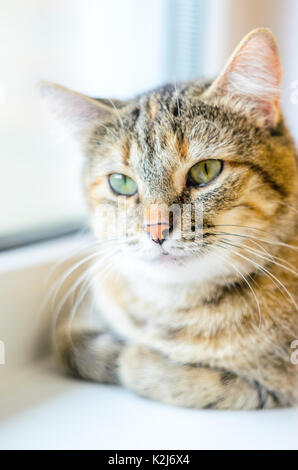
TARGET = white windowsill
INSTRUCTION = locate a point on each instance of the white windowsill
(49, 411)
(40, 409)
(41, 253)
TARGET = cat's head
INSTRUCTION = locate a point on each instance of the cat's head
(219, 150)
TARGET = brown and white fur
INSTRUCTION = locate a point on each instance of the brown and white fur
(209, 325)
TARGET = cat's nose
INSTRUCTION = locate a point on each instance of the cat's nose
(156, 225)
(157, 232)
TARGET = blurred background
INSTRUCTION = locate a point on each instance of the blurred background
(115, 49)
(105, 48)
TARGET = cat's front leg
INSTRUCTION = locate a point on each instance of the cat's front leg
(154, 376)
(89, 354)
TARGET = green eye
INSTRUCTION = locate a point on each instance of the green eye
(204, 172)
(122, 184)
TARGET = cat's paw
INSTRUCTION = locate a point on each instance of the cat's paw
(154, 376)
(141, 369)
(90, 355)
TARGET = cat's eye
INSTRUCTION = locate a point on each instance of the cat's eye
(204, 172)
(122, 184)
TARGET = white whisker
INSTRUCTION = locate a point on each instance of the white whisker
(269, 274)
(248, 284)
(260, 255)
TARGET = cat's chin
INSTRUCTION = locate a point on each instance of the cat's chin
(162, 257)
(168, 259)
(171, 268)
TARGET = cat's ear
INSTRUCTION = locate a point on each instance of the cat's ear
(251, 79)
(76, 111)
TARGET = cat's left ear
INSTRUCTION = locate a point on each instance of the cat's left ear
(251, 79)
(77, 112)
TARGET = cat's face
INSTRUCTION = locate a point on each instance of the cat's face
(185, 182)
(160, 149)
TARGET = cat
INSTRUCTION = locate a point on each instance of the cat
(207, 322)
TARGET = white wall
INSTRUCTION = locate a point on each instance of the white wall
(100, 47)
(228, 21)
(113, 48)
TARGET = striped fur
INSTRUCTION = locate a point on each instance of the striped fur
(212, 326)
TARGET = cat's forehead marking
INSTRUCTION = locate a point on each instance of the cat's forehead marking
(158, 177)
(167, 132)
(125, 150)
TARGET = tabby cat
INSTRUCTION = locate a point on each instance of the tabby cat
(208, 321)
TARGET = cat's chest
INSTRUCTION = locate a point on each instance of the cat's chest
(174, 323)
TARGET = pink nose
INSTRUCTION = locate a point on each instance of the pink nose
(156, 224)
(157, 231)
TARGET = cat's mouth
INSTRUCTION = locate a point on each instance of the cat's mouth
(162, 254)
(167, 258)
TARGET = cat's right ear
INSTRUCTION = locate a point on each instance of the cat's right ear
(75, 111)
(251, 80)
